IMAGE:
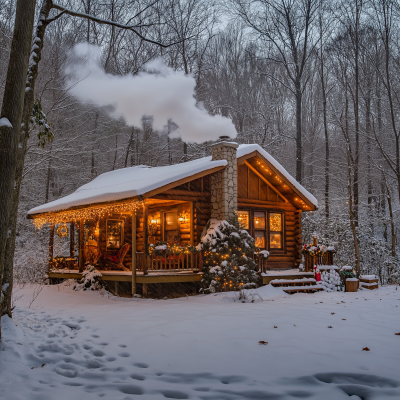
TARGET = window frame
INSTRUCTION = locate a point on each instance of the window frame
(163, 224)
(282, 231)
(267, 231)
(121, 237)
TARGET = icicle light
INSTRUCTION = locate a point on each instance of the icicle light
(86, 213)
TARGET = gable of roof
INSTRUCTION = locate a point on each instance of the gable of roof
(246, 151)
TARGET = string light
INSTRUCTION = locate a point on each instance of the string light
(86, 213)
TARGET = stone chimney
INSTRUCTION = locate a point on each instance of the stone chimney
(224, 182)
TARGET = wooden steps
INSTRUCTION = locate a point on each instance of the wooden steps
(369, 282)
(303, 289)
(267, 278)
(293, 282)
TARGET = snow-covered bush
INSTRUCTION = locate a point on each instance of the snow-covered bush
(91, 280)
(228, 258)
(331, 281)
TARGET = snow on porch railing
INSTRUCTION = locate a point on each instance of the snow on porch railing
(315, 255)
(168, 262)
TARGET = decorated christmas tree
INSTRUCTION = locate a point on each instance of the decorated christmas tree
(228, 257)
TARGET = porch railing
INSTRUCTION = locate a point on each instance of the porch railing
(168, 262)
(310, 261)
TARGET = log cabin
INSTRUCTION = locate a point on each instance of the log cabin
(120, 213)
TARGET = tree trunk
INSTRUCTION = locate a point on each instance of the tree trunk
(23, 133)
(185, 151)
(299, 158)
(93, 166)
(128, 147)
(350, 186)
(11, 117)
(327, 155)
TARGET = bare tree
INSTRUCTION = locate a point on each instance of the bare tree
(10, 123)
(288, 26)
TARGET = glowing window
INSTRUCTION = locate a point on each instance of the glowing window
(259, 220)
(259, 236)
(243, 217)
(275, 241)
(275, 222)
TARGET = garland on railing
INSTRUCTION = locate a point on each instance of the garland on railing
(318, 251)
(162, 248)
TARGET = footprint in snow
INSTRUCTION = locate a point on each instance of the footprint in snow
(124, 354)
(138, 377)
(173, 394)
(140, 365)
(98, 353)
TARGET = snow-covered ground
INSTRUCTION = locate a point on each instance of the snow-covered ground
(80, 345)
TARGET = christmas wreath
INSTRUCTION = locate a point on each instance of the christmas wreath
(62, 230)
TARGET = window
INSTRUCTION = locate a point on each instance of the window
(171, 227)
(275, 231)
(259, 228)
(243, 217)
(266, 227)
(114, 233)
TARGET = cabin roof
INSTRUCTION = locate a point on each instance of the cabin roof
(138, 181)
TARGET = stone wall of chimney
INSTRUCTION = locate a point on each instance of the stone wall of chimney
(224, 183)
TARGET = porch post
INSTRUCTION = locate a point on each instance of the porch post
(72, 239)
(51, 244)
(191, 223)
(146, 237)
(133, 252)
(81, 245)
(298, 237)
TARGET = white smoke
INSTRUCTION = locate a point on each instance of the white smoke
(161, 93)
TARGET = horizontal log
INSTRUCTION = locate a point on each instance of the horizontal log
(185, 197)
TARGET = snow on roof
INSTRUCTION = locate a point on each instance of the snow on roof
(128, 182)
(245, 149)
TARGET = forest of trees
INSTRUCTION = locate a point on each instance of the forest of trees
(316, 83)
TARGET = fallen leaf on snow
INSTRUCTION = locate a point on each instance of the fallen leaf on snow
(329, 326)
(275, 326)
(262, 342)
(332, 313)
(397, 334)
(365, 349)
(343, 319)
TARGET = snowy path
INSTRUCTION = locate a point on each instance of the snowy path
(72, 345)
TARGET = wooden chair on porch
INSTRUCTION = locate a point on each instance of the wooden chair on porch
(117, 261)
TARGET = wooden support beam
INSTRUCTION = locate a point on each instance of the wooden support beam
(72, 239)
(51, 244)
(146, 235)
(81, 245)
(134, 253)
(191, 222)
(144, 290)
